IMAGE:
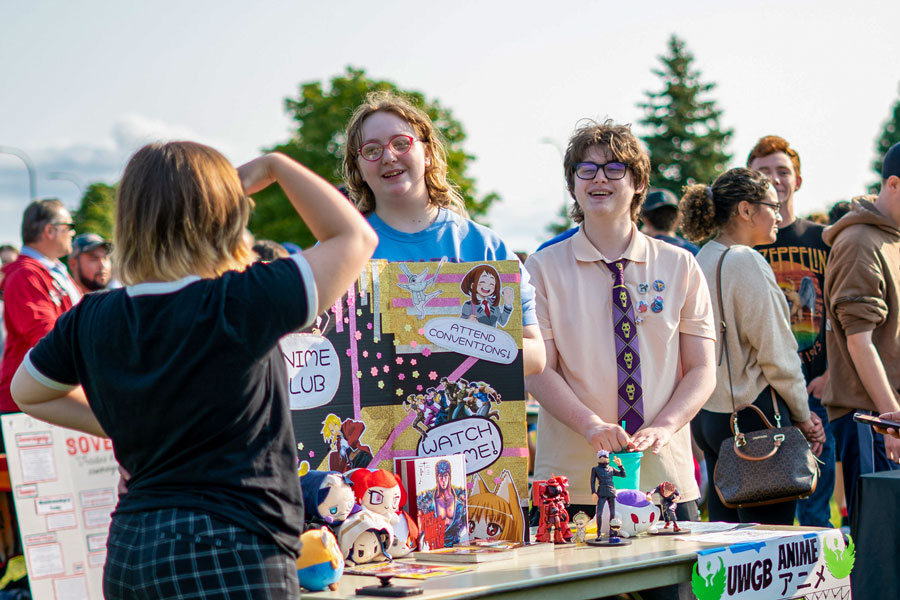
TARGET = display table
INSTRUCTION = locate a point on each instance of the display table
(876, 534)
(568, 572)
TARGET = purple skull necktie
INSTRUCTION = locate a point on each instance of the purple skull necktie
(628, 360)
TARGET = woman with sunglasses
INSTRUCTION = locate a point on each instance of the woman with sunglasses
(395, 168)
(738, 211)
(182, 371)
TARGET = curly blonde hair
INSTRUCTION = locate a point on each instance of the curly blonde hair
(441, 192)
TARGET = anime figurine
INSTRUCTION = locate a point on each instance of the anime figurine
(482, 286)
(602, 489)
(669, 498)
(320, 564)
(382, 492)
(495, 515)
(635, 512)
(417, 284)
(327, 498)
(446, 503)
(552, 496)
(581, 520)
(347, 452)
(365, 537)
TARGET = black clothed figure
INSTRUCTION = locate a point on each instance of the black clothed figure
(602, 486)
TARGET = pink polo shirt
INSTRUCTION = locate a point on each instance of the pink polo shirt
(573, 293)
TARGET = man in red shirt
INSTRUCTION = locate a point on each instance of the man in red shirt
(36, 288)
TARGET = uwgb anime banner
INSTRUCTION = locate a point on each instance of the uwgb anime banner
(417, 359)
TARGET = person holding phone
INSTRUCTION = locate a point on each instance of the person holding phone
(181, 370)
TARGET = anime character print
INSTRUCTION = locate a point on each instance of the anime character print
(495, 515)
(417, 285)
(347, 450)
(489, 303)
(445, 505)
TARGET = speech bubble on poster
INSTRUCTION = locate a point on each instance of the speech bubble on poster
(313, 369)
(476, 437)
(472, 339)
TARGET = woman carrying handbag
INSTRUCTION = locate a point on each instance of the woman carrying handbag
(757, 354)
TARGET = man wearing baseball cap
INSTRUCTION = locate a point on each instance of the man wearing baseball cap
(862, 303)
(89, 262)
(661, 217)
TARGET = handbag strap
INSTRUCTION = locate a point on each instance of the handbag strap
(723, 329)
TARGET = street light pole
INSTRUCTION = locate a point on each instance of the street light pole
(70, 177)
(32, 178)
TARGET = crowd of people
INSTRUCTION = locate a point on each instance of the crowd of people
(621, 340)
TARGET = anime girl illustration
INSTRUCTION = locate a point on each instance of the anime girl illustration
(347, 452)
(482, 285)
(495, 515)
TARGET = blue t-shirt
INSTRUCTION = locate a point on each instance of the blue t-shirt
(456, 239)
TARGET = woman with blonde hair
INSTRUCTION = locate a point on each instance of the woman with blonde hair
(395, 168)
(180, 369)
(738, 211)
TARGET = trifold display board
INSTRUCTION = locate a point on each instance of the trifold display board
(417, 359)
(64, 489)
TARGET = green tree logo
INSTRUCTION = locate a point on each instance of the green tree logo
(712, 585)
(839, 562)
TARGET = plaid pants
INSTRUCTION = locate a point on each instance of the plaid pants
(180, 553)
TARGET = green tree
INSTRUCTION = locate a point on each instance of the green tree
(685, 139)
(562, 222)
(97, 211)
(321, 113)
(890, 135)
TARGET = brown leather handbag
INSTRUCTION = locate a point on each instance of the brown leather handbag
(761, 467)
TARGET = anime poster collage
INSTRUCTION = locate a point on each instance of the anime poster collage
(418, 359)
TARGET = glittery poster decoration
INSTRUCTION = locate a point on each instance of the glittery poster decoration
(418, 359)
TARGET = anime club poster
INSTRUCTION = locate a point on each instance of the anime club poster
(417, 359)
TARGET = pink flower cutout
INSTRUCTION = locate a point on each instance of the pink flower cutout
(347, 351)
(422, 331)
(374, 371)
(386, 368)
(426, 351)
(399, 360)
(368, 326)
(312, 453)
(346, 319)
(412, 361)
(378, 355)
(413, 344)
(365, 354)
(358, 335)
(418, 388)
(432, 375)
(401, 376)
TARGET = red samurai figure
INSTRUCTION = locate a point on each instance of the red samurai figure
(552, 498)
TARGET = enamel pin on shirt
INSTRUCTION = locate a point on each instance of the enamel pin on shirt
(659, 285)
(643, 288)
(657, 305)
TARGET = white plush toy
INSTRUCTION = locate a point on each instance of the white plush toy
(634, 511)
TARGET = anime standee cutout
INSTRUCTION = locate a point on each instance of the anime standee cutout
(443, 506)
(495, 515)
(347, 450)
(483, 287)
(552, 498)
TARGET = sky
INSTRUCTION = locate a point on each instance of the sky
(85, 84)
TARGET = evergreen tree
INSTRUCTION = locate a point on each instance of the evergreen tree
(890, 135)
(321, 113)
(685, 139)
(96, 214)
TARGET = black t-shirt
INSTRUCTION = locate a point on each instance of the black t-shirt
(798, 259)
(186, 379)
